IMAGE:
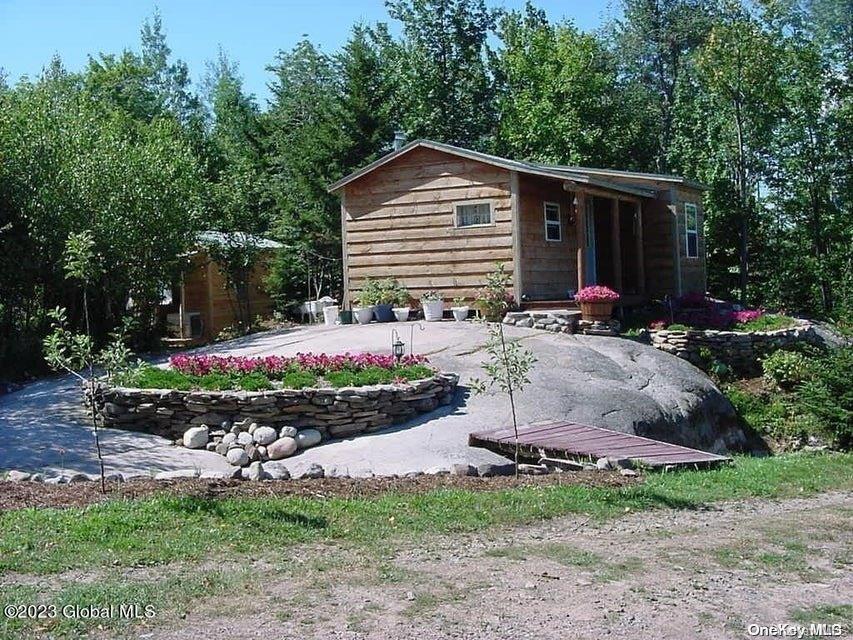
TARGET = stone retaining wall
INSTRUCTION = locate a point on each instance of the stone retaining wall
(740, 350)
(335, 413)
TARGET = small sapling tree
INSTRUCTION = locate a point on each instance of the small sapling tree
(508, 367)
(67, 350)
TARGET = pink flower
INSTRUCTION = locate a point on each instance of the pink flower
(596, 293)
(318, 363)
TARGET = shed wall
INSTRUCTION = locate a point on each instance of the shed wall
(400, 222)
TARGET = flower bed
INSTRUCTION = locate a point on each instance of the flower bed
(351, 394)
(216, 373)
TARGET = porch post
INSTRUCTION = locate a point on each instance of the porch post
(616, 244)
(641, 260)
(580, 224)
(515, 214)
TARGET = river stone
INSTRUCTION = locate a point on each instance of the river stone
(196, 437)
(264, 435)
(278, 472)
(314, 471)
(244, 438)
(308, 438)
(228, 438)
(282, 448)
(17, 476)
(255, 471)
(288, 432)
(237, 457)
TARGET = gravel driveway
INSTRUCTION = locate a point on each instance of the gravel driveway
(609, 382)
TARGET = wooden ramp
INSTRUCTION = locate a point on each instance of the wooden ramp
(560, 439)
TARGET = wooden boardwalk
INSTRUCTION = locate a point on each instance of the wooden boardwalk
(561, 439)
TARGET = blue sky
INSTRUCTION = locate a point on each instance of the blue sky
(250, 31)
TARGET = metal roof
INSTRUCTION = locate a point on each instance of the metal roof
(580, 175)
(221, 238)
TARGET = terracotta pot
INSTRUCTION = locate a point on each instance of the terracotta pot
(597, 310)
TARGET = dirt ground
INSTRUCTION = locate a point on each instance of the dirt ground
(20, 495)
(663, 575)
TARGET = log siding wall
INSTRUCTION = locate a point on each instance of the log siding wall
(400, 222)
(549, 268)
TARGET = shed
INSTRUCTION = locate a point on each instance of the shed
(437, 216)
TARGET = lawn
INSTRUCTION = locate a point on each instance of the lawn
(181, 551)
(167, 528)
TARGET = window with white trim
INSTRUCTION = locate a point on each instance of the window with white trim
(473, 214)
(553, 226)
(691, 230)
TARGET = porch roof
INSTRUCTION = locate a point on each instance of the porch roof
(600, 178)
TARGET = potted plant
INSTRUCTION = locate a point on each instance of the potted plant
(362, 311)
(433, 306)
(459, 309)
(495, 299)
(386, 294)
(596, 302)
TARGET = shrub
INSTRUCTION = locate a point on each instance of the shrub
(678, 327)
(786, 369)
(827, 397)
(765, 414)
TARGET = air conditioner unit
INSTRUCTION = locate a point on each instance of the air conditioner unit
(193, 324)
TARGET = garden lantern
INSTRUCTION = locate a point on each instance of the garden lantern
(398, 347)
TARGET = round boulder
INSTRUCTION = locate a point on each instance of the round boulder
(244, 438)
(196, 437)
(281, 448)
(237, 457)
(288, 432)
(308, 438)
(264, 435)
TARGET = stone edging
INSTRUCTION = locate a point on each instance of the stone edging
(741, 350)
(206, 419)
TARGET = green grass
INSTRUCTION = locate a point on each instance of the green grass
(156, 378)
(824, 614)
(768, 322)
(164, 529)
(165, 594)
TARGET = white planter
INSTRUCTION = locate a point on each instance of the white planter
(330, 315)
(433, 310)
(460, 313)
(401, 313)
(363, 315)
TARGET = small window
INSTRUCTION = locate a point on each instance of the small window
(553, 227)
(473, 214)
(691, 230)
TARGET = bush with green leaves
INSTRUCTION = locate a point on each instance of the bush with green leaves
(495, 299)
(786, 369)
(827, 397)
(385, 291)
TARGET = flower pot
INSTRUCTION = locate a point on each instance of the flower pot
(460, 313)
(401, 313)
(330, 315)
(433, 310)
(601, 311)
(345, 316)
(363, 315)
(383, 313)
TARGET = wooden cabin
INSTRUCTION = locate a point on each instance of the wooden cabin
(436, 216)
(202, 304)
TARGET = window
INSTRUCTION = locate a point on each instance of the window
(553, 227)
(691, 230)
(473, 214)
